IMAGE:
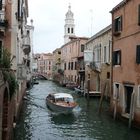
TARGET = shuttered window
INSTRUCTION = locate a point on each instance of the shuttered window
(118, 24)
(117, 57)
(82, 47)
(139, 14)
(65, 66)
(0, 4)
(138, 54)
(0, 50)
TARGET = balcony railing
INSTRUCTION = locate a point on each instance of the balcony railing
(95, 66)
(3, 21)
(26, 45)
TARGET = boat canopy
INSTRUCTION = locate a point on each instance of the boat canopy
(62, 95)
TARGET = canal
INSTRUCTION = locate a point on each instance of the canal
(37, 122)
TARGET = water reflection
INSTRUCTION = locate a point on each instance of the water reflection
(59, 119)
(37, 122)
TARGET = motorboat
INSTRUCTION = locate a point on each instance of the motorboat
(61, 102)
(79, 91)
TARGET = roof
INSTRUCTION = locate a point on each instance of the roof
(121, 4)
(74, 39)
(100, 33)
(62, 95)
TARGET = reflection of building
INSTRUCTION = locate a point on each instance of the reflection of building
(44, 64)
(126, 60)
(98, 68)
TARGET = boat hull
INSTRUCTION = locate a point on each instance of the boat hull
(58, 108)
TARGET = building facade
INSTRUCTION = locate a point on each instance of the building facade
(44, 64)
(14, 47)
(57, 72)
(70, 53)
(98, 68)
(126, 60)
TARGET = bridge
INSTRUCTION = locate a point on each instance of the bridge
(40, 75)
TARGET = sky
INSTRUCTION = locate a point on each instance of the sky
(90, 16)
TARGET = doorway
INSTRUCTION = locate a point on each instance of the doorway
(128, 95)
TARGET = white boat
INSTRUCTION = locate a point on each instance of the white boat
(61, 102)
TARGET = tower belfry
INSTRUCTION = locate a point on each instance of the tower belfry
(69, 28)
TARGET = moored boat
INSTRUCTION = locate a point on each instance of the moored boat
(61, 102)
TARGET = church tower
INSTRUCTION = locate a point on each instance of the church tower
(69, 28)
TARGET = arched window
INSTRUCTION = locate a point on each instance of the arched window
(68, 30)
(71, 30)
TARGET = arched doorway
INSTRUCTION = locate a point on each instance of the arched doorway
(5, 115)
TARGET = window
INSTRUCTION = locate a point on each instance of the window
(65, 66)
(139, 14)
(0, 50)
(105, 54)
(71, 65)
(68, 30)
(75, 65)
(108, 75)
(82, 47)
(0, 4)
(59, 52)
(117, 57)
(71, 30)
(138, 54)
(118, 24)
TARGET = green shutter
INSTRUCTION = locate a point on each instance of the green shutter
(138, 54)
(139, 14)
(114, 58)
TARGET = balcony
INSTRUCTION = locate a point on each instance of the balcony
(26, 45)
(2, 33)
(95, 66)
(3, 21)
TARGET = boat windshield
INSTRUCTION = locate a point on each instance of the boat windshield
(68, 99)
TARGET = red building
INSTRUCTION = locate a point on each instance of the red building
(126, 60)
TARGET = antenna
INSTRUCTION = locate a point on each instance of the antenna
(91, 26)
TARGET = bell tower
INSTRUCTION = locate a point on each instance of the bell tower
(69, 28)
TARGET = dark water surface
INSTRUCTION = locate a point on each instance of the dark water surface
(37, 122)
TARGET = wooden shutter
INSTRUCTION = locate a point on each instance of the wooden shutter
(139, 14)
(0, 4)
(138, 54)
(121, 24)
(114, 58)
(119, 53)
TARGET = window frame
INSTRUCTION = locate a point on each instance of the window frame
(118, 25)
(117, 57)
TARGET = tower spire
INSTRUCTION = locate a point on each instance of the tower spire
(69, 28)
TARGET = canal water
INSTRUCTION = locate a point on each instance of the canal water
(37, 122)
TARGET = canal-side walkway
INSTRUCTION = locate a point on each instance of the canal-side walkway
(37, 122)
